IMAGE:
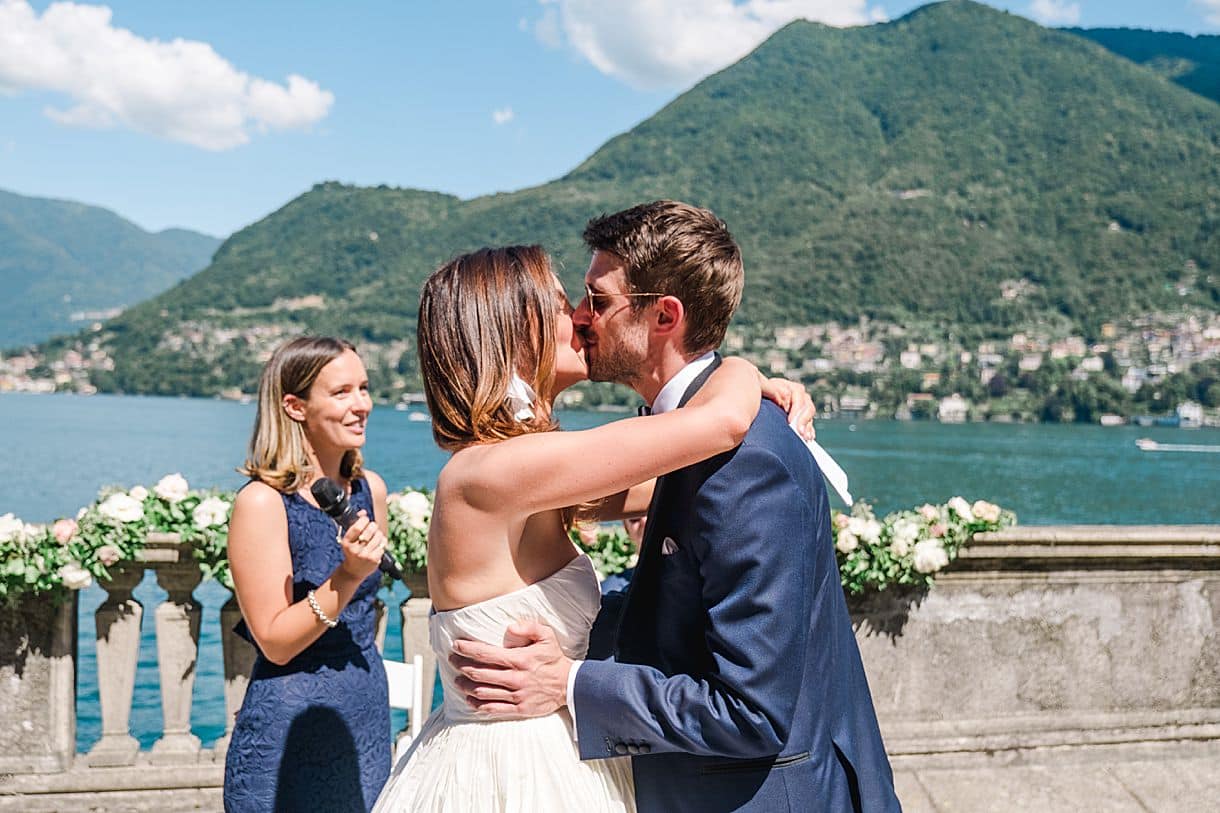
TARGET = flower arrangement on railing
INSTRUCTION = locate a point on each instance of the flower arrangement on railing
(410, 511)
(71, 553)
(610, 549)
(907, 547)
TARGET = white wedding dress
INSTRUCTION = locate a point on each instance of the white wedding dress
(461, 764)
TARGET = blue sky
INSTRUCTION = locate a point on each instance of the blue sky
(183, 113)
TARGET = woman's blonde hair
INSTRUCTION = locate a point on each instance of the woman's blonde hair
(278, 446)
(484, 316)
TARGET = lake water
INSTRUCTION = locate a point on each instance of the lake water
(58, 450)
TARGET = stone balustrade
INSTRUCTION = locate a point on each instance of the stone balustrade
(1038, 641)
(39, 766)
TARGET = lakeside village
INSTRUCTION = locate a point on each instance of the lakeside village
(1155, 369)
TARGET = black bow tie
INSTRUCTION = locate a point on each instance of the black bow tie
(644, 409)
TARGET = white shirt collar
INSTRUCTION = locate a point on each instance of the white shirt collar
(669, 396)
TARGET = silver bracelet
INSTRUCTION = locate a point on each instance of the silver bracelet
(317, 610)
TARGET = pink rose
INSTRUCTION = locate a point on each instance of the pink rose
(64, 530)
(842, 521)
(108, 555)
(938, 530)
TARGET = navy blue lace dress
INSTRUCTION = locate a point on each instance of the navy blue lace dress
(314, 734)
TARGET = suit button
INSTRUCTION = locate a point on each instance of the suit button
(620, 748)
(633, 749)
(645, 748)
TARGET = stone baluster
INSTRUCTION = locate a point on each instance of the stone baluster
(177, 620)
(415, 612)
(118, 650)
(239, 655)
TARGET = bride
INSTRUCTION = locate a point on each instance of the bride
(495, 328)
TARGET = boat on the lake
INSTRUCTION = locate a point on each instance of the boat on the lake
(1150, 445)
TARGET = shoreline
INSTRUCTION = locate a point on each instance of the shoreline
(1135, 421)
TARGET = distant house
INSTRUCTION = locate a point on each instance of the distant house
(777, 361)
(1030, 362)
(854, 403)
(918, 405)
(1190, 415)
(929, 381)
(953, 409)
(1134, 378)
(910, 359)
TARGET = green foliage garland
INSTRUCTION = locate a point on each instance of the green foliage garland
(905, 548)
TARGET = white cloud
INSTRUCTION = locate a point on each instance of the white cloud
(503, 116)
(181, 90)
(1211, 10)
(1055, 12)
(668, 43)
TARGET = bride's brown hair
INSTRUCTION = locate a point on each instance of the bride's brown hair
(482, 317)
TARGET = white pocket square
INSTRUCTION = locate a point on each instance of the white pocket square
(668, 546)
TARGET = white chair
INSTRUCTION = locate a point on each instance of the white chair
(407, 692)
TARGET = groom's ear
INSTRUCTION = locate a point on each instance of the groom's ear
(669, 316)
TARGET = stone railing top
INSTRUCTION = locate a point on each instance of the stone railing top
(1197, 545)
(163, 549)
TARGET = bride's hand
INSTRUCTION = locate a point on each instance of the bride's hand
(792, 397)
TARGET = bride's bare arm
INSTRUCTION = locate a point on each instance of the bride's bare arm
(541, 471)
(787, 395)
(632, 502)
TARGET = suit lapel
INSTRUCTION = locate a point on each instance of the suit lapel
(647, 570)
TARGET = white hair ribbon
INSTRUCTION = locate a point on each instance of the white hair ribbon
(520, 398)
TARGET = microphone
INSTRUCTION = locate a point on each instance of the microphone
(333, 500)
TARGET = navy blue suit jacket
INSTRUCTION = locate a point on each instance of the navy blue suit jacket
(734, 677)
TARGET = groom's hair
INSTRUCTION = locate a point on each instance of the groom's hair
(679, 250)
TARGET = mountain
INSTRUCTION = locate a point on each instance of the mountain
(960, 170)
(64, 263)
(1191, 61)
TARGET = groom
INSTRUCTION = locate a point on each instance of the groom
(735, 681)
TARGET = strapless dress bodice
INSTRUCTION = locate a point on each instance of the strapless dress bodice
(567, 601)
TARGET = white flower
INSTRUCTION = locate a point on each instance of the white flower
(74, 576)
(846, 542)
(172, 488)
(211, 512)
(84, 509)
(986, 511)
(929, 512)
(138, 493)
(962, 509)
(121, 508)
(414, 508)
(867, 529)
(930, 556)
(10, 528)
(903, 536)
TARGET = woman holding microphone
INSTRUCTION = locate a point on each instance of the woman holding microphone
(313, 732)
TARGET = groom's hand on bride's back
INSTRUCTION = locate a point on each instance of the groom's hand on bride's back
(528, 677)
